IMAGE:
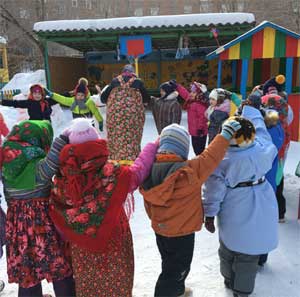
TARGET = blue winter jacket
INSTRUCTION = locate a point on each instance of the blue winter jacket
(247, 216)
(277, 135)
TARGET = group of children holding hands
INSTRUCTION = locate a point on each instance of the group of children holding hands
(66, 220)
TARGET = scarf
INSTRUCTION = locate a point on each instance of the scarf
(88, 195)
(24, 147)
(80, 103)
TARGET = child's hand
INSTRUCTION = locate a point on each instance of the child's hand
(98, 89)
(48, 92)
(229, 128)
(210, 225)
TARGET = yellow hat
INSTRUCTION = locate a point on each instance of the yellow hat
(280, 79)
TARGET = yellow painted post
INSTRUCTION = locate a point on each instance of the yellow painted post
(269, 42)
(136, 60)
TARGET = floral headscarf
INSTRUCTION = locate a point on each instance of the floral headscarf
(25, 146)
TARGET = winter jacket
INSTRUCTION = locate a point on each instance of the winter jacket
(172, 192)
(36, 110)
(137, 84)
(216, 116)
(277, 135)
(87, 112)
(166, 111)
(197, 122)
(247, 216)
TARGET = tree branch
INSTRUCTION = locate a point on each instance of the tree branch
(5, 14)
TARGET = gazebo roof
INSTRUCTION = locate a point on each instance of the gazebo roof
(267, 40)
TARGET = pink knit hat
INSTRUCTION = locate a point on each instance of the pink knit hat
(81, 130)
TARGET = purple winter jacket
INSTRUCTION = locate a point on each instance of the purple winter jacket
(197, 122)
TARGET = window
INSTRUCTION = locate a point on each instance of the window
(204, 7)
(88, 4)
(138, 12)
(61, 10)
(74, 3)
(1, 61)
(187, 9)
(154, 10)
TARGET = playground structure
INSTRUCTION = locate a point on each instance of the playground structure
(257, 55)
(179, 46)
(4, 78)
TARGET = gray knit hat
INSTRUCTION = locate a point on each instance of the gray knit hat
(128, 68)
(175, 139)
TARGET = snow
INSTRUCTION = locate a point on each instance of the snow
(145, 22)
(23, 81)
(279, 277)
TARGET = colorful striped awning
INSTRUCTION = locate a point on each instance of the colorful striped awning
(267, 40)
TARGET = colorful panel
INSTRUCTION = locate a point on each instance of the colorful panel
(246, 48)
(268, 42)
(291, 46)
(280, 44)
(234, 52)
(257, 45)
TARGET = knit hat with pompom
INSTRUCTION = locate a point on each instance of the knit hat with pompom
(81, 130)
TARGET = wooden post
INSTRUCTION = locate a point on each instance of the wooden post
(289, 75)
(244, 78)
(136, 60)
(47, 68)
(219, 81)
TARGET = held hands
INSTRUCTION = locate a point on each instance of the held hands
(229, 128)
(210, 225)
(48, 92)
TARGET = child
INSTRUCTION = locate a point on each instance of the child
(37, 105)
(3, 132)
(166, 110)
(172, 196)
(244, 201)
(87, 207)
(81, 104)
(219, 110)
(34, 250)
(196, 103)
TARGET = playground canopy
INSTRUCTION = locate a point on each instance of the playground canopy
(264, 51)
(103, 34)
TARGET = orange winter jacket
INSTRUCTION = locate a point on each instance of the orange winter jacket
(175, 206)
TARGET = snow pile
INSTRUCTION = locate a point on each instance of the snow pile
(23, 81)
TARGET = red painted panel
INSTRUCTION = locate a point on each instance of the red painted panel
(291, 47)
(135, 47)
(265, 69)
(294, 102)
(257, 45)
(224, 55)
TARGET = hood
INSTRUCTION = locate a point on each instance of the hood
(173, 186)
(172, 96)
(225, 106)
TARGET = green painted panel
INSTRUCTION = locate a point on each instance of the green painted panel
(246, 48)
(257, 65)
(280, 43)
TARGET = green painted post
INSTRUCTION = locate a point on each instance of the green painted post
(47, 69)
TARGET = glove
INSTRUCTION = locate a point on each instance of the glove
(209, 224)
(65, 138)
(229, 128)
(66, 132)
(101, 126)
(48, 92)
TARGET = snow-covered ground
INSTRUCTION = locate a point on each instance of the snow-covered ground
(279, 277)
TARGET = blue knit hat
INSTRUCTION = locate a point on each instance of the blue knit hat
(175, 139)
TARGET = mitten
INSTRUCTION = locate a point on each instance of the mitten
(229, 128)
(48, 92)
(209, 224)
(101, 126)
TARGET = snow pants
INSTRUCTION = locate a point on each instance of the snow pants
(280, 199)
(239, 270)
(176, 254)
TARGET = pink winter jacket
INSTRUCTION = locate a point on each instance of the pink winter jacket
(196, 114)
(3, 132)
(142, 165)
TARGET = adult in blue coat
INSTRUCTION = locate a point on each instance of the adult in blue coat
(245, 203)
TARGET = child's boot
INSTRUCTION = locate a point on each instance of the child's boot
(187, 293)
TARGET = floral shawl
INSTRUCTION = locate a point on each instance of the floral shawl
(88, 195)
